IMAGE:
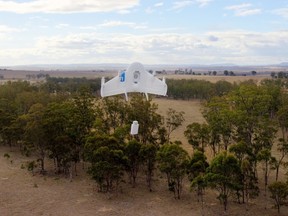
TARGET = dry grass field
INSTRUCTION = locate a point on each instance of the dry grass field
(214, 79)
(22, 194)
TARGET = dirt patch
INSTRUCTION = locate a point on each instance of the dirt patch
(22, 194)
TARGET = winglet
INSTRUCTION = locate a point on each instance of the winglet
(102, 86)
(146, 96)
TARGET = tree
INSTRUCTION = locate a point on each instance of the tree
(8, 114)
(249, 182)
(111, 113)
(273, 75)
(150, 122)
(148, 153)
(134, 159)
(34, 134)
(173, 120)
(223, 175)
(80, 122)
(265, 157)
(196, 170)
(219, 116)
(107, 160)
(250, 106)
(56, 123)
(222, 88)
(276, 163)
(173, 162)
(197, 135)
(244, 156)
(279, 192)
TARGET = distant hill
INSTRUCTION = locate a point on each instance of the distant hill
(156, 67)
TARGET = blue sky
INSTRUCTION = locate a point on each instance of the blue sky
(244, 32)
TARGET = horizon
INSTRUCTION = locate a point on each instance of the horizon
(154, 32)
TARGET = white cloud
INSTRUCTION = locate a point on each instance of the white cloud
(203, 3)
(240, 47)
(282, 12)
(181, 4)
(159, 4)
(121, 23)
(238, 7)
(245, 9)
(62, 25)
(6, 29)
(117, 23)
(178, 5)
(152, 9)
(67, 6)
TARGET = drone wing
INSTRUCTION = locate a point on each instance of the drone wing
(114, 86)
(155, 85)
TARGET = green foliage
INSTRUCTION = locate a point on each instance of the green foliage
(173, 161)
(31, 165)
(187, 89)
(134, 159)
(62, 119)
(279, 193)
(107, 160)
(197, 165)
(196, 134)
(219, 116)
(7, 156)
(173, 120)
(148, 153)
(223, 174)
(111, 114)
(196, 170)
(71, 85)
(151, 123)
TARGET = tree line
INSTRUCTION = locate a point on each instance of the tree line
(240, 130)
(184, 89)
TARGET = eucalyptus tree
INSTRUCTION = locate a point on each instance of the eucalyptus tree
(34, 133)
(8, 115)
(279, 192)
(80, 121)
(111, 113)
(244, 115)
(244, 156)
(264, 156)
(219, 116)
(107, 158)
(134, 159)
(197, 135)
(173, 120)
(196, 170)
(56, 123)
(148, 153)
(249, 182)
(151, 125)
(223, 174)
(276, 162)
(173, 160)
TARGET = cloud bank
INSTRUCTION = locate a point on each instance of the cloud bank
(213, 47)
(67, 6)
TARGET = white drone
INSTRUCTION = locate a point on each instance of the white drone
(135, 79)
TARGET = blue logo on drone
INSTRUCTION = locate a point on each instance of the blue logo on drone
(122, 76)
